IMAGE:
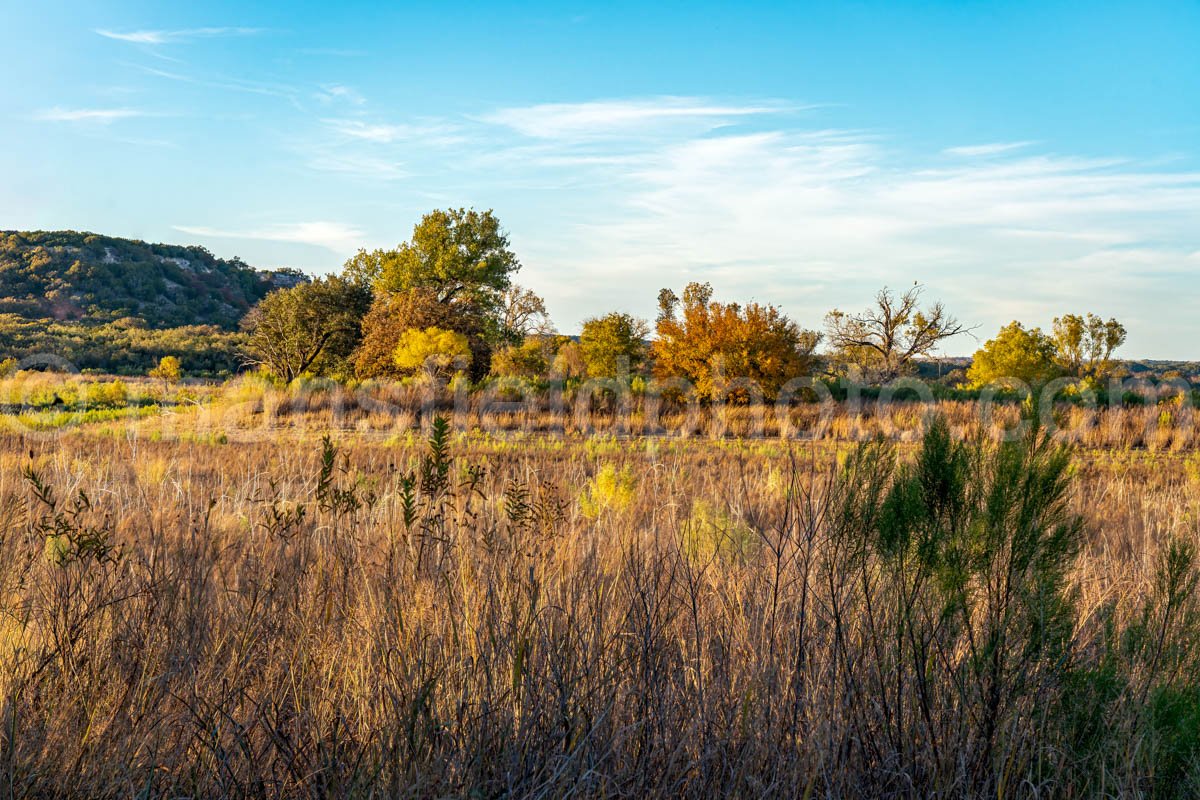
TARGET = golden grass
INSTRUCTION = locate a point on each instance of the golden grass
(587, 615)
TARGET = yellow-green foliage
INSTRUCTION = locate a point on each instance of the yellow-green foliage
(57, 549)
(121, 348)
(610, 490)
(777, 484)
(1017, 353)
(1191, 466)
(603, 445)
(106, 395)
(168, 369)
(529, 360)
(418, 347)
(613, 344)
(37, 390)
(712, 533)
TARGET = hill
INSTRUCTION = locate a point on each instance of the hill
(70, 276)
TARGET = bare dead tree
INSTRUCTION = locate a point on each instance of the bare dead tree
(523, 313)
(884, 339)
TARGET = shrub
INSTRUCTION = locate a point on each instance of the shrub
(612, 345)
(609, 490)
(529, 360)
(1015, 354)
(106, 395)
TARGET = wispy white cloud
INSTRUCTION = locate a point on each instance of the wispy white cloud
(995, 148)
(622, 117)
(371, 132)
(357, 165)
(280, 90)
(334, 92)
(430, 133)
(371, 151)
(335, 236)
(102, 116)
(160, 37)
(802, 200)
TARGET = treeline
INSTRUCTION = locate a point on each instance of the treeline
(105, 304)
(445, 304)
(118, 348)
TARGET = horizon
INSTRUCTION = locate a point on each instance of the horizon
(1020, 162)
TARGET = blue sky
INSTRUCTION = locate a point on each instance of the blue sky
(1020, 159)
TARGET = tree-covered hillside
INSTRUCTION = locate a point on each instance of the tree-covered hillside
(71, 276)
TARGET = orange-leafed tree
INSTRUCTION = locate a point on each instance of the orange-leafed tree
(717, 345)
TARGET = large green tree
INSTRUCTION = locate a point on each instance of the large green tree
(455, 253)
(311, 327)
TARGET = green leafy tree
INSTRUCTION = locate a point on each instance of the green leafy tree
(610, 342)
(1086, 343)
(455, 253)
(884, 339)
(363, 268)
(1016, 353)
(309, 327)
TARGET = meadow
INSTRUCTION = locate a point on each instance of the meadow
(251, 591)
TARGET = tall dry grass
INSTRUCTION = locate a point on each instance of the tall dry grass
(251, 408)
(585, 616)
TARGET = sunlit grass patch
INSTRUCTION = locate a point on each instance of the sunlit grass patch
(710, 532)
(611, 490)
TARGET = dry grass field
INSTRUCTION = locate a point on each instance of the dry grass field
(220, 596)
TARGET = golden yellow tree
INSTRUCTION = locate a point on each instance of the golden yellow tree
(168, 370)
(432, 349)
